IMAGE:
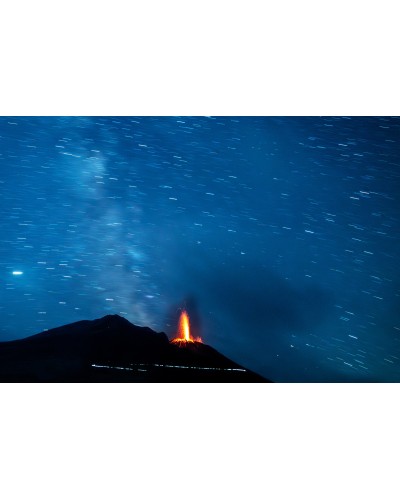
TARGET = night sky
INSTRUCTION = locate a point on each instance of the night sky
(280, 235)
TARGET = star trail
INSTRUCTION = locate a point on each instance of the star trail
(279, 235)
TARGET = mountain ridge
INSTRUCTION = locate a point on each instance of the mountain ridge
(111, 349)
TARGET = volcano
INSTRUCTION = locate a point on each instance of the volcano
(111, 349)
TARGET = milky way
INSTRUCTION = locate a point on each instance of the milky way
(279, 235)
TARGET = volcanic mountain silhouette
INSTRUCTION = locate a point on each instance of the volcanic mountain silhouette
(111, 349)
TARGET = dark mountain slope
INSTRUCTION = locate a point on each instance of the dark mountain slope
(111, 349)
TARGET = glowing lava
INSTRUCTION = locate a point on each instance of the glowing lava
(183, 335)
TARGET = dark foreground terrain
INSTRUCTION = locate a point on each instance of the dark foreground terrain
(111, 349)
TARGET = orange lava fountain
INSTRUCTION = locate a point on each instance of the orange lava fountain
(183, 335)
